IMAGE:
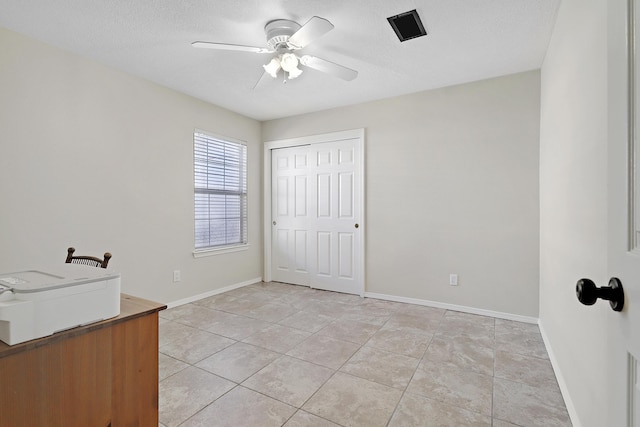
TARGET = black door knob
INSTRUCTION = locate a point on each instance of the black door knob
(588, 293)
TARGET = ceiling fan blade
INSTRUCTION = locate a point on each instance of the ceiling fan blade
(329, 67)
(313, 29)
(263, 77)
(225, 46)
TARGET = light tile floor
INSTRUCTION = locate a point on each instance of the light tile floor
(272, 354)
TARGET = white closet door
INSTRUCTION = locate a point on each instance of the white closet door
(334, 229)
(290, 215)
(316, 234)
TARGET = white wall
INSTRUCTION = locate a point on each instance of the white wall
(573, 203)
(100, 160)
(451, 187)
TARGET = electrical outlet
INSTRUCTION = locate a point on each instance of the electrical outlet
(453, 279)
(176, 276)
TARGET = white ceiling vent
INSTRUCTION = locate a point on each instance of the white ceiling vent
(407, 25)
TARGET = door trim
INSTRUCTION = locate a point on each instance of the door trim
(633, 243)
(309, 140)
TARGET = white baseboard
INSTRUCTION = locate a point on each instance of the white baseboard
(462, 308)
(213, 292)
(454, 307)
(571, 409)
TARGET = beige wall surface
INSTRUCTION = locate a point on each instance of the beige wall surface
(101, 160)
(451, 187)
(573, 203)
(93, 158)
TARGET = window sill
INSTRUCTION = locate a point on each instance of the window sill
(200, 253)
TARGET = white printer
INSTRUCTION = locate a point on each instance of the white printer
(37, 303)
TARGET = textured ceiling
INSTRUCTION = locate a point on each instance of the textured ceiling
(467, 40)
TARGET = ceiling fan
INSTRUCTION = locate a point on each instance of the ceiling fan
(285, 38)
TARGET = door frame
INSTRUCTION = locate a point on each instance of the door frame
(310, 140)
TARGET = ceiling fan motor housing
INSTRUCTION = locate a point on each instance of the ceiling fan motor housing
(278, 33)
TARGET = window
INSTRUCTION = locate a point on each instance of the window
(220, 175)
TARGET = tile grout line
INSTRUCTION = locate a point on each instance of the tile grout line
(277, 298)
(416, 369)
(335, 371)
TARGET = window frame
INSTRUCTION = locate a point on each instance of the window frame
(243, 192)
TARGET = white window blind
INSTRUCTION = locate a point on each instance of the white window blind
(220, 173)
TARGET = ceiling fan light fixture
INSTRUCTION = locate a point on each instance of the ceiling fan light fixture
(294, 73)
(273, 67)
(289, 63)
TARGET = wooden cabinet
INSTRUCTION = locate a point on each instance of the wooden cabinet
(103, 374)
